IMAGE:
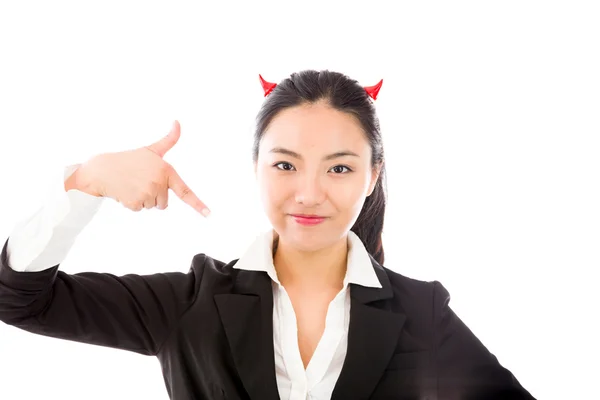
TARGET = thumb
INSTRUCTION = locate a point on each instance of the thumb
(166, 143)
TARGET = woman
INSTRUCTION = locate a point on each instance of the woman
(309, 312)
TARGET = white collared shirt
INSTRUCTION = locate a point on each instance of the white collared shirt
(318, 380)
(44, 240)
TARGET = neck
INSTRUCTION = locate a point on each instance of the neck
(318, 270)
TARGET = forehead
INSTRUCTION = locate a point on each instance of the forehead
(315, 127)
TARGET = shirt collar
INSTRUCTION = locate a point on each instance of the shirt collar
(359, 269)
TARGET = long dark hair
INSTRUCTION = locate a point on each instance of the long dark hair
(347, 95)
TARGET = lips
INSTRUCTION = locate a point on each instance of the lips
(305, 219)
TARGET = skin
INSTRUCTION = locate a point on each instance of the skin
(311, 260)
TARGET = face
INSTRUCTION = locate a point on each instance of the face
(314, 160)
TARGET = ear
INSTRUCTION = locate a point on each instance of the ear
(374, 178)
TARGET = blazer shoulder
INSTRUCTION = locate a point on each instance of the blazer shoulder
(211, 269)
(408, 284)
(431, 295)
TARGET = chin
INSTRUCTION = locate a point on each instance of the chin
(307, 238)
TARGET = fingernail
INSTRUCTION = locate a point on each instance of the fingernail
(205, 212)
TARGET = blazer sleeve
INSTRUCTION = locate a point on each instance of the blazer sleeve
(130, 312)
(466, 369)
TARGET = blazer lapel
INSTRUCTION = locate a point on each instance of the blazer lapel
(247, 317)
(372, 338)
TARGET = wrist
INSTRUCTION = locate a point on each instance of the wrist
(78, 181)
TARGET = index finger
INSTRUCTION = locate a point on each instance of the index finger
(186, 194)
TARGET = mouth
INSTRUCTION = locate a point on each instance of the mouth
(308, 219)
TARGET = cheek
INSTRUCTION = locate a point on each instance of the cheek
(349, 195)
(273, 190)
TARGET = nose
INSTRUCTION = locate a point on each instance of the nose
(310, 191)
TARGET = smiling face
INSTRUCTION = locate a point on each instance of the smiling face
(314, 160)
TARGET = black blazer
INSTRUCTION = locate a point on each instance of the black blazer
(211, 329)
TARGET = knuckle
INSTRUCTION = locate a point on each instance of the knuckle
(134, 205)
(185, 190)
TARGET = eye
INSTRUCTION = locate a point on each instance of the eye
(339, 169)
(284, 166)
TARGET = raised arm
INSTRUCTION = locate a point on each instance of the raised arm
(131, 312)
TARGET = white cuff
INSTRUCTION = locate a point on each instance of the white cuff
(44, 240)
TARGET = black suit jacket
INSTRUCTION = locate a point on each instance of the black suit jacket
(211, 329)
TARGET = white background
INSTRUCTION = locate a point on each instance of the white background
(490, 116)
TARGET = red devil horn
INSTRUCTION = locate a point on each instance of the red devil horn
(372, 91)
(267, 86)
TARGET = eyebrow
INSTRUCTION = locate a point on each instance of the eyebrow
(281, 150)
